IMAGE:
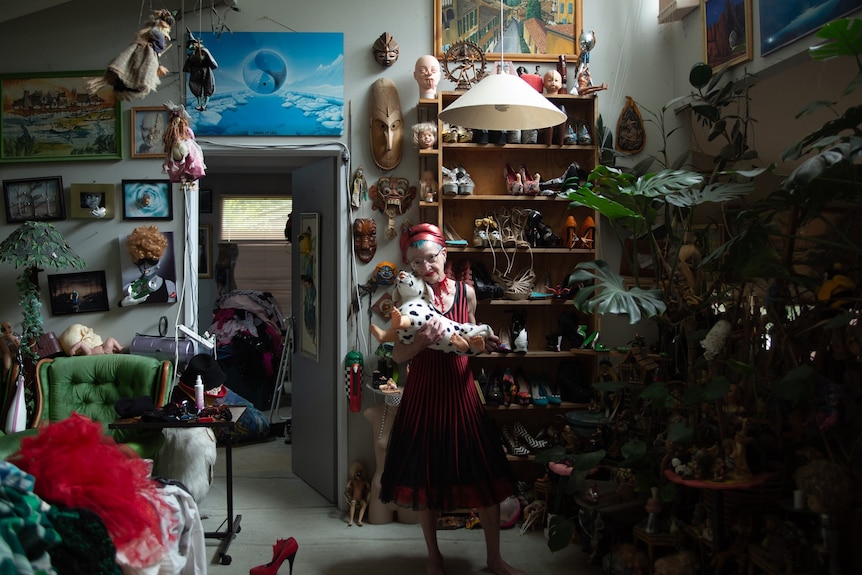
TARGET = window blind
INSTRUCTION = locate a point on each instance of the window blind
(255, 218)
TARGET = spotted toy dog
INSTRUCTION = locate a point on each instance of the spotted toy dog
(416, 309)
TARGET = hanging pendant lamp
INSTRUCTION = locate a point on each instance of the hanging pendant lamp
(502, 102)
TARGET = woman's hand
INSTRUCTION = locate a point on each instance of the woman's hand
(426, 335)
(492, 342)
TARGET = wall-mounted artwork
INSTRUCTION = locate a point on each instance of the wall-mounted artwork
(148, 125)
(726, 32)
(38, 199)
(51, 117)
(273, 84)
(78, 292)
(92, 201)
(785, 21)
(147, 200)
(150, 277)
(309, 270)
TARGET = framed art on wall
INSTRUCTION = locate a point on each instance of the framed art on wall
(34, 199)
(528, 33)
(147, 200)
(205, 251)
(309, 270)
(727, 38)
(78, 292)
(147, 130)
(51, 118)
(782, 22)
(92, 201)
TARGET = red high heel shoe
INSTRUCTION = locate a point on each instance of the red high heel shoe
(283, 549)
(514, 185)
(530, 181)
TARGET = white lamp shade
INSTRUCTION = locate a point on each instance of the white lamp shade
(502, 102)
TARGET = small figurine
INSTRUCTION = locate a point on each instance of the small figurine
(136, 71)
(385, 50)
(425, 135)
(428, 186)
(359, 189)
(356, 492)
(184, 159)
(199, 66)
(552, 82)
(427, 75)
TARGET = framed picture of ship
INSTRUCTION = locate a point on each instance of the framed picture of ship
(52, 117)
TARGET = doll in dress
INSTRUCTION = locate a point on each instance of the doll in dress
(136, 71)
(184, 159)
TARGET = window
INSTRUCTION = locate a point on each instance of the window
(256, 224)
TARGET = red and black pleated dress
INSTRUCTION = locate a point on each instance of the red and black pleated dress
(444, 451)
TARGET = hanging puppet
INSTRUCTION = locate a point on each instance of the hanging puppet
(199, 66)
(184, 159)
(136, 71)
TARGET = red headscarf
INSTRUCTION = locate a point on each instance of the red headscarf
(417, 233)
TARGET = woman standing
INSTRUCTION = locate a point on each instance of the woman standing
(444, 452)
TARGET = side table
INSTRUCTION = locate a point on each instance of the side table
(231, 522)
(653, 540)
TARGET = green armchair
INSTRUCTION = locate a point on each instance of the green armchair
(91, 386)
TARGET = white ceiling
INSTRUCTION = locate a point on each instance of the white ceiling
(16, 8)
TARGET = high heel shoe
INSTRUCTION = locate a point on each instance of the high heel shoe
(569, 179)
(283, 549)
(511, 441)
(570, 232)
(520, 431)
(537, 393)
(514, 185)
(549, 390)
(452, 237)
(588, 232)
(530, 181)
(523, 396)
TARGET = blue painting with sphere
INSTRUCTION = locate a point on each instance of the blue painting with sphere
(272, 84)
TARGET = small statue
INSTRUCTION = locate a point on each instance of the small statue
(359, 189)
(356, 492)
(425, 135)
(428, 186)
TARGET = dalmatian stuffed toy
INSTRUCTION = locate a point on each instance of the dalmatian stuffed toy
(416, 309)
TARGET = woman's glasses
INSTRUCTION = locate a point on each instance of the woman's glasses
(429, 261)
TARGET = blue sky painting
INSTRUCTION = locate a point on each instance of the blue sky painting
(273, 84)
(785, 21)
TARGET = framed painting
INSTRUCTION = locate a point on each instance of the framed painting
(530, 30)
(153, 279)
(147, 200)
(309, 277)
(727, 38)
(272, 84)
(205, 251)
(52, 117)
(92, 201)
(148, 127)
(783, 22)
(78, 293)
(34, 199)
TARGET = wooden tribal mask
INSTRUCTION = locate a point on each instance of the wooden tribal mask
(364, 239)
(392, 196)
(386, 125)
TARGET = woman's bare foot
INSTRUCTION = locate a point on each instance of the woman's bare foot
(435, 567)
(500, 567)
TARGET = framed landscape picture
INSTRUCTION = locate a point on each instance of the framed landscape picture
(34, 199)
(52, 117)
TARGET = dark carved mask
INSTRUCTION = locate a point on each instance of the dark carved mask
(365, 239)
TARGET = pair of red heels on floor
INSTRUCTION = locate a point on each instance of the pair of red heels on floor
(283, 549)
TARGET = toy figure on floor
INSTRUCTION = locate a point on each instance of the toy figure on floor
(416, 308)
(136, 71)
(199, 66)
(356, 492)
(184, 159)
(147, 245)
(78, 339)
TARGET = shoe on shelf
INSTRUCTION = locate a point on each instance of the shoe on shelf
(569, 179)
(510, 391)
(513, 445)
(283, 549)
(480, 233)
(464, 181)
(530, 181)
(570, 139)
(549, 390)
(505, 345)
(587, 234)
(495, 238)
(452, 237)
(521, 432)
(450, 182)
(570, 233)
(537, 393)
(514, 184)
(523, 396)
(529, 136)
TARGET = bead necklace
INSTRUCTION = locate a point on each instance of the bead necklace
(383, 421)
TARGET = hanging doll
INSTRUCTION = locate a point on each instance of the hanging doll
(135, 72)
(184, 159)
(199, 66)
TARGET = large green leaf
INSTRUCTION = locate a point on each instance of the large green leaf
(716, 192)
(844, 39)
(608, 293)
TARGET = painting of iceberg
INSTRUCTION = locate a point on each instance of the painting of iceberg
(273, 84)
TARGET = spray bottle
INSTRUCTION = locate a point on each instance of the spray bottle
(199, 393)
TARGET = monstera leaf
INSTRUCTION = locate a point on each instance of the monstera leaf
(608, 294)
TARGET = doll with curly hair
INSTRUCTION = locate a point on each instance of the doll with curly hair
(184, 159)
(146, 245)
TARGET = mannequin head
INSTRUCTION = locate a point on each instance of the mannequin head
(427, 75)
(387, 124)
(552, 81)
(146, 245)
(385, 50)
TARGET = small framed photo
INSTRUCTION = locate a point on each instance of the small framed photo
(205, 251)
(205, 202)
(81, 292)
(34, 199)
(148, 128)
(92, 201)
(147, 200)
